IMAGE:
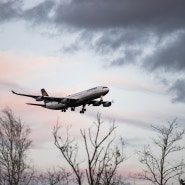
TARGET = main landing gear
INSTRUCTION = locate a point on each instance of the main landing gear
(83, 110)
(72, 108)
(63, 109)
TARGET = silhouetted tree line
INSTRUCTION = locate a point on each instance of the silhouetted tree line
(103, 156)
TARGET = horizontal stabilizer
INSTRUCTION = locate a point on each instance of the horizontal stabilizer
(41, 105)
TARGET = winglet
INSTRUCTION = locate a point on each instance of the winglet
(15, 92)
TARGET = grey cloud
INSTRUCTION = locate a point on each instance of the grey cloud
(40, 13)
(118, 61)
(103, 14)
(128, 23)
(9, 10)
(115, 38)
(13, 9)
(170, 57)
(124, 24)
(96, 15)
(178, 90)
(166, 15)
(129, 45)
(129, 56)
(167, 57)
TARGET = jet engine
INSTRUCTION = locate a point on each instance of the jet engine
(107, 104)
(97, 103)
(65, 100)
(39, 98)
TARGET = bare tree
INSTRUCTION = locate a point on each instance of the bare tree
(69, 150)
(181, 181)
(55, 177)
(159, 167)
(102, 159)
(14, 144)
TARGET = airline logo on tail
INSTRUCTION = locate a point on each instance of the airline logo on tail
(44, 93)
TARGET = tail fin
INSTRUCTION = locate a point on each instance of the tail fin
(43, 92)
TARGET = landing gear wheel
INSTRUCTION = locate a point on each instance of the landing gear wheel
(73, 109)
(83, 109)
(63, 110)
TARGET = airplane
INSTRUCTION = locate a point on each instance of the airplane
(83, 98)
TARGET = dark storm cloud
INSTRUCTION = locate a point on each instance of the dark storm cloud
(178, 90)
(124, 23)
(166, 15)
(102, 15)
(159, 15)
(98, 14)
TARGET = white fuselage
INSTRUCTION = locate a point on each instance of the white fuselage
(78, 99)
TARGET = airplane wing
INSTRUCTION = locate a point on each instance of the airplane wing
(48, 98)
(32, 96)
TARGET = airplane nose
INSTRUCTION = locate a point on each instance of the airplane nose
(105, 90)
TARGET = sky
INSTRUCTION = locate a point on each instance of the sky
(136, 48)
